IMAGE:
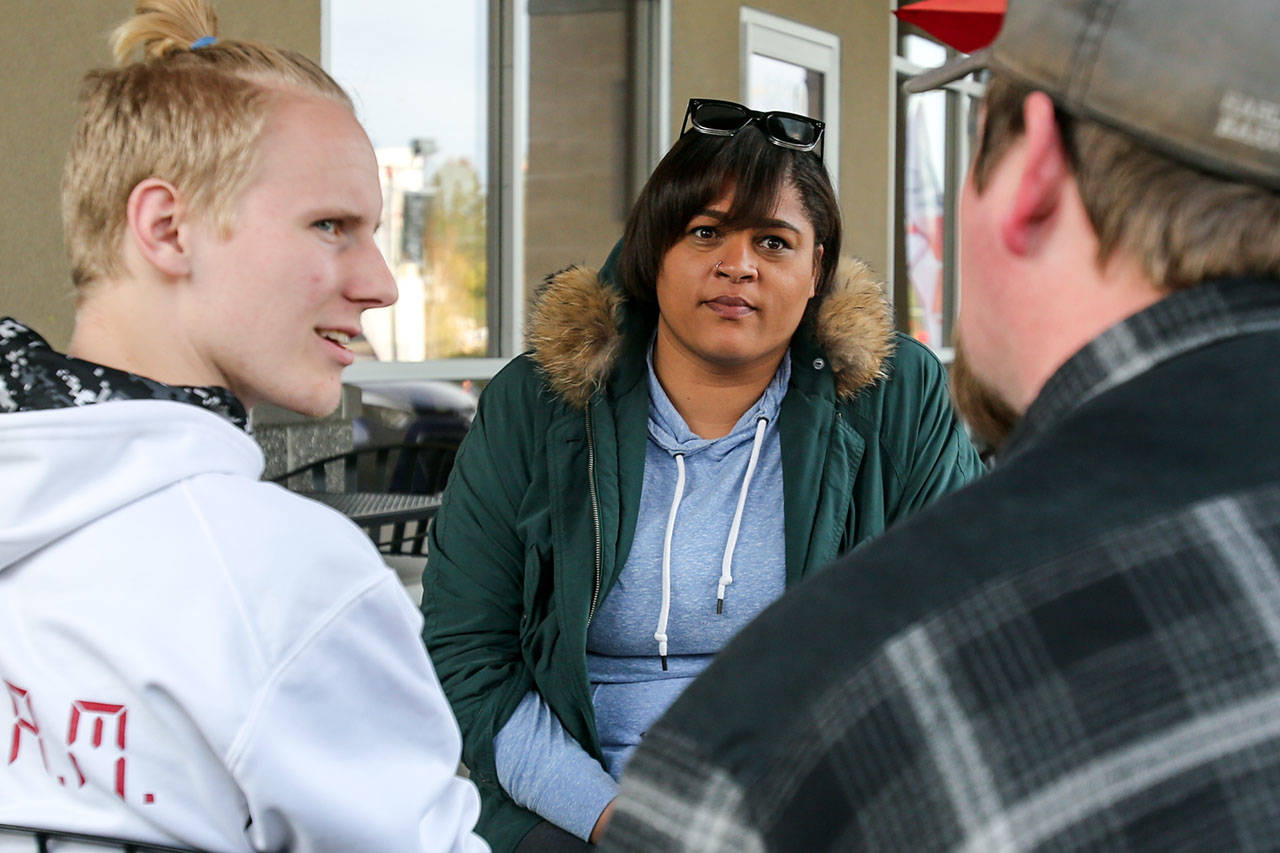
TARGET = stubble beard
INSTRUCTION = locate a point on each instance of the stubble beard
(989, 416)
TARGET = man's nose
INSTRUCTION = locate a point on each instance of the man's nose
(370, 280)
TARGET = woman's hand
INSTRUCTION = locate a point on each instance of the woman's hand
(602, 823)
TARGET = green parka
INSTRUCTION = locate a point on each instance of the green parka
(539, 513)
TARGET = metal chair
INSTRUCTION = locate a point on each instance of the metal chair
(416, 468)
(41, 838)
(397, 524)
(390, 490)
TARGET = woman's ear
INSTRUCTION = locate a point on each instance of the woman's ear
(817, 270)
(155, 216)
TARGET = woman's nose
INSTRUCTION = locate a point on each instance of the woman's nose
(737, 262)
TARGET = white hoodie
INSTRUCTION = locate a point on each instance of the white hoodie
(190, 656)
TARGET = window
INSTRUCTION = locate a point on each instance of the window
(792, 67)
(512, 136)
(931, 155)
(424, 104)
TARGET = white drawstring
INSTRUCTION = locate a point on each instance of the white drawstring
(726, 566)
(661, 634)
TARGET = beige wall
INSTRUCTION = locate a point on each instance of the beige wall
(705, 63)
(576, 192)
(44, 50)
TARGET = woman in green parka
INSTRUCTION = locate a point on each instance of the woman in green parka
(719, 413)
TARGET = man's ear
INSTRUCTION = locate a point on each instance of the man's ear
(155, 217)
(1044, 170)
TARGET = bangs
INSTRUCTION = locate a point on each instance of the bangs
(740, 165)
(698, 170)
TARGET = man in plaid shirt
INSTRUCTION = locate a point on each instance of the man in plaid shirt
(1082, 650)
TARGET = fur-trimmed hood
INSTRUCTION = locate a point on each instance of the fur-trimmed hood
(575, 330)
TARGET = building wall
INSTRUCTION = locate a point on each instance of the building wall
(45, 48)
(576, 191)
(705, 60)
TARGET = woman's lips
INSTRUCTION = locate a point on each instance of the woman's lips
(730, 307)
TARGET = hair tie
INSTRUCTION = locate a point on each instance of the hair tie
(204, 41)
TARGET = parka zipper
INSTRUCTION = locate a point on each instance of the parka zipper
(595, 512)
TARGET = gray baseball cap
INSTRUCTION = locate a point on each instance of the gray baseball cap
(1196, 79)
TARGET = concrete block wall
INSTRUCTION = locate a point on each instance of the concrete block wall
(290, 440)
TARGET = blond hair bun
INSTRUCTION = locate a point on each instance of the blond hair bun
(163, 27)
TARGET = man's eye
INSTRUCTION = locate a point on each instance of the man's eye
(329, 226)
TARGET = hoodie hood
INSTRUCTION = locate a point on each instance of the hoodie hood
(79, 440)
(668, 430)
(575, 330)
(65, 468)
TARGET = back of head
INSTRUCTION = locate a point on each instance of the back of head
(1181, 223)
(190, 112)
(1169, 113)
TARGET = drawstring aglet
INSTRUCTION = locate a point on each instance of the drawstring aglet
(663, 658)
(720, 605)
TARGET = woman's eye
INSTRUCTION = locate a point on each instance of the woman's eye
(773, 243)
(704, 232)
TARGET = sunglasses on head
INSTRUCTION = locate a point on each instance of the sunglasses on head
(725, 118)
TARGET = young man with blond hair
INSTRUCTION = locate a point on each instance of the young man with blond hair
(190, 656)
(1082, 650)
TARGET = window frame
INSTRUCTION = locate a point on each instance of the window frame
(956, 161)
(507, 140)
(798, 44)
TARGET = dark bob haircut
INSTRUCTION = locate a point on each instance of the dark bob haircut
(700, 168)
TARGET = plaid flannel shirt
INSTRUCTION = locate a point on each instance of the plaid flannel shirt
(1080, 651)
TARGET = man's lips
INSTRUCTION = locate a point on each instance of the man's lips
(336, 340)
(730, 307)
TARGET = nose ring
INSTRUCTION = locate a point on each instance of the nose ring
(718, 263)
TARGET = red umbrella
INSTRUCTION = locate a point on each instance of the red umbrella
(966, 25)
